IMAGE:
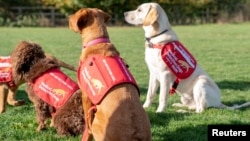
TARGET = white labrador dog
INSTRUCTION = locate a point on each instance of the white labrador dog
(198, 91)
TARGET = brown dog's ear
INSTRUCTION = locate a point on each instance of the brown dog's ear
(78, 20)
(151, 17)
(105, 15)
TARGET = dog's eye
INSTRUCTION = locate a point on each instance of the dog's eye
(139, 10)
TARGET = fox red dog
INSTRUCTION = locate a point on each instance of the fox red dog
(118, 115)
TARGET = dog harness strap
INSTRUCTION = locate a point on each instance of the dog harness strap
(179, 61)
(12, 84)
(97, 41)
(159, 46)
(174, 86)
(86, 130)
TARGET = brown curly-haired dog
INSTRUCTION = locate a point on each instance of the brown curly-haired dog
(31, 64)
(9, 82)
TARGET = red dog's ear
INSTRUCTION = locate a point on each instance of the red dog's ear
(106, 17)
(78, 20)
(151, 17)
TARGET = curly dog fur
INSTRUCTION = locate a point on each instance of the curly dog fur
(8, 90)
(29, 62)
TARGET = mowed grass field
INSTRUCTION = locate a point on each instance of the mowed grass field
(223, 51)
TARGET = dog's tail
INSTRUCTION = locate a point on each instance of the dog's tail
(234, 107)
(62, 63)
(66, 66)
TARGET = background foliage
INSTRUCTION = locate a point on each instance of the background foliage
(180, 11)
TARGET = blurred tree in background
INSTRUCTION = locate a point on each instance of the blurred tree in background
(179, 11)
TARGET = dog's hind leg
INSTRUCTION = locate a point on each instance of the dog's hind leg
(41, 119)
(43, 114)
(41, 125)
(206, 94)
(3, 97)
(12, 97)
(152, 89)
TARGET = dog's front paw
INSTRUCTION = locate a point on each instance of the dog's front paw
(181, 111)
(16, 102)
(2, 110)
(199, 110)
(146, 104)
(160, 109)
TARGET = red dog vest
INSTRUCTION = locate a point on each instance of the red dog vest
(6, 70)
(178, 59)
(181, 63)
(98, 74)
(54, 87)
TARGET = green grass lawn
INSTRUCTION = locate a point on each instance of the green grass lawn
(221, 50)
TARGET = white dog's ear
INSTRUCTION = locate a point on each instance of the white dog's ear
(78, 20)
(151, 17)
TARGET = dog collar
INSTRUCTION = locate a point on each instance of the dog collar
(149, 38)
(97, 41)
